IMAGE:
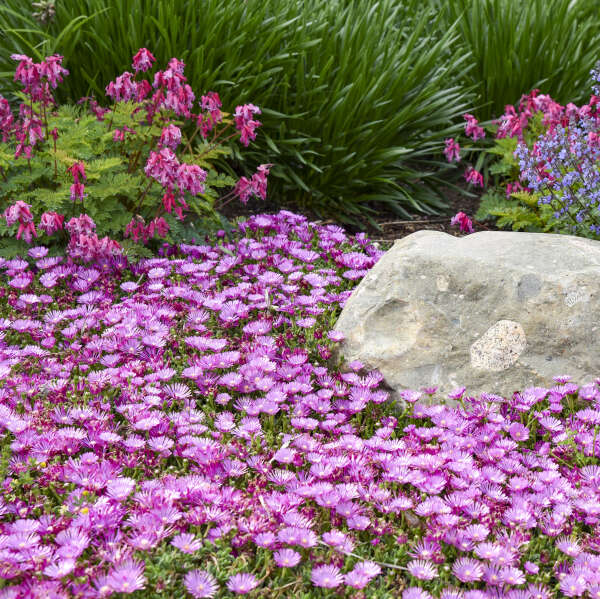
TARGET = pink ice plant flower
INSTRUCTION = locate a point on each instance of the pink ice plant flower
(241, 584)
(200, 584)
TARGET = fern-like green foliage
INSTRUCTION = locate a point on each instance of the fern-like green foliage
(116, 187)
(519, 212)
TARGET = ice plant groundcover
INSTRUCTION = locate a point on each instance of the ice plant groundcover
(174, 428)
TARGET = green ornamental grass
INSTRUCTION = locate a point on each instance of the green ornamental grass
(519, 46)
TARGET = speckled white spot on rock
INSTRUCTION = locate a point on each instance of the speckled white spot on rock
(575, 296)
(499, 347)
(442, 283)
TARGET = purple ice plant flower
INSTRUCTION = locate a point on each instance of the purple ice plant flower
(326, 576)
(200, 584)
(241, 584)
(287, 558)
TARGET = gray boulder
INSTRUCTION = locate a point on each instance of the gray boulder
(493, 311)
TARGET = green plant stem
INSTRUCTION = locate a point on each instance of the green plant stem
(55, 163)
(188, 146)
(143, 195)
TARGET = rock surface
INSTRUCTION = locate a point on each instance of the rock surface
(493, 311)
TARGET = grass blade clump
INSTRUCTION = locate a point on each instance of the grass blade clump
(518, 46)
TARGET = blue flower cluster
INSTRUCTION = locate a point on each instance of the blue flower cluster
(563, 167)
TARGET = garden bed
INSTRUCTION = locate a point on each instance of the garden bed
(173, 428)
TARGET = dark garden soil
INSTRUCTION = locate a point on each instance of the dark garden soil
(391, 227)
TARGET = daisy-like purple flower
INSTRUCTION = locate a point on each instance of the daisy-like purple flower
(335, 336)
(467, 569)
(422, 570)
(37, 252)
(518, 431)
(287, 558)
(200, 584)
(573, 585)
(127, 577)
(368, 568)
(186, 542)
(356, 580)
(531, 568)
(242, 583)
(119, 488)
(569, 547)
(326, 576)
(60, 568)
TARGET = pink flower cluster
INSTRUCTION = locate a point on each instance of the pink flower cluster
(513, 123)
(474, 177)
(77, 170)
(452, 149)
(139, 231)
(472, 128)
(211, 103)
(85, 245)
(256, 186)
(21, 212)
(463, 221)
(37, 80)
(175, 177)
(245, 122)
(171, 93)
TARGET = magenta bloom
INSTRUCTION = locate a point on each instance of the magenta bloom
(256, 186)
(531, 568)
(467, 569)
(356, 579)
(573, 585)
(452, 150)
(77, 170)
(242, 583)
(143, 60)
(244, 122)
(51, 222)
(327, 577)
(474, 177)
(200, 584)
(421, 569)
(170, 137)
(287, 558)
(19, 211)
(127, 577)
(518, 431)
(463, 221)
(472, 128)
(186, 542)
